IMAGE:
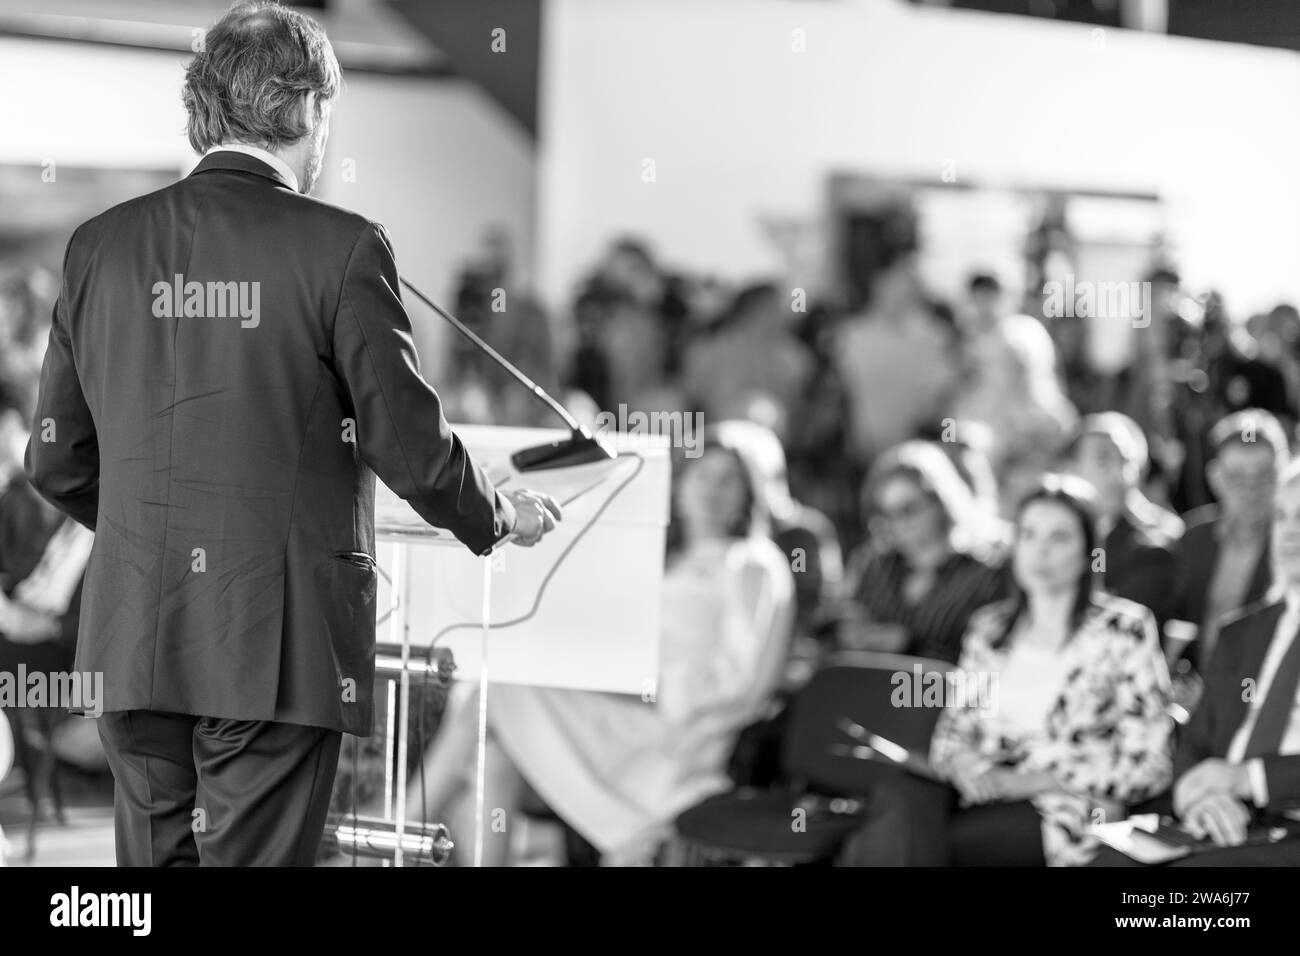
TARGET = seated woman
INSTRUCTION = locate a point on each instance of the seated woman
(804, 535)
(619, 768)
(43, 558)
(934, 557)
(1077, 722)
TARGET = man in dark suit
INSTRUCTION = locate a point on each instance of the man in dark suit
(1138, 537)
(1223, 561)
(1238, 760)
(230, 366)
(1237, 764)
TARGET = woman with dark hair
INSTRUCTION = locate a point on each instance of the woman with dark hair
(1057, 710)
(617, 768)
(935, 556)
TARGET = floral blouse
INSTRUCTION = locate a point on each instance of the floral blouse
(1107, 735)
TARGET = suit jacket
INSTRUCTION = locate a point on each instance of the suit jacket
(1196, 557)
(1237, 657)
(223, 441)
(1140, 566)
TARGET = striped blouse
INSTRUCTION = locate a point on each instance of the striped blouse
(935, 624)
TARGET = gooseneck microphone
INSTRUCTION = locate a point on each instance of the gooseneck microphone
(579, 448)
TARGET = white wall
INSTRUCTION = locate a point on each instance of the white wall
(740, 125)
(83, 105)
(435, 160)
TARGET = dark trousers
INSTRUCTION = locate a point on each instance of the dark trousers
(208, 791)
(911, 821)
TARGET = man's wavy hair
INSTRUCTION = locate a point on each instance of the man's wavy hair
(247, 82)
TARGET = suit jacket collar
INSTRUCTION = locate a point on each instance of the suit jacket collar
(1255, 642)
(228, 159)
(1261, 636)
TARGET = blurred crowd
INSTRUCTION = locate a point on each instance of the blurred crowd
(953, 482)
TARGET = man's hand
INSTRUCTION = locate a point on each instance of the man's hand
(535, 516)
(1221, 817)
(1210, 776)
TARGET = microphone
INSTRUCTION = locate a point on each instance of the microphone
(579, 448)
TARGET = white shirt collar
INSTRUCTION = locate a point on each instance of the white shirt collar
(272, 160)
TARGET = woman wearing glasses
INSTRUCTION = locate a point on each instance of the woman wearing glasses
(934, 557)
(1076, 730)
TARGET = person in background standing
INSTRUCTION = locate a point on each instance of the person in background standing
(751, 365)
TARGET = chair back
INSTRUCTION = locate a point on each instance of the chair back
(891, 695)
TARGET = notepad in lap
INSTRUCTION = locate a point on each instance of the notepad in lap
(1134, 838)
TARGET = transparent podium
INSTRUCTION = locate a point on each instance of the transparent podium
(580, 610)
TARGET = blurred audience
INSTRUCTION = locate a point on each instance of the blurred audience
(750, 364)
(1018, 396)
(1137, 536)
(804, 535)
(1222, 373)
(1223, 562)
(26, 296)
(1237, 765)
(897, 363)
(43, 557)
(1238, 761)
(475, 389)
(934, 557)
(1077, 721)
(616, 768)
(632, 320)
(909, 433)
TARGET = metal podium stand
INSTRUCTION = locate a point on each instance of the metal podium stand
(624, 552)
(393, 837)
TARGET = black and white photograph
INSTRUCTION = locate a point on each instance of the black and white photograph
(651, 434)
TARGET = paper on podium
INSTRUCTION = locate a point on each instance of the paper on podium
(1133, 838)
(590, 622)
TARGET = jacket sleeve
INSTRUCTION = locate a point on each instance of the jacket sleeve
(1282, 774)
(401, 431)
(1152, 581)
(62, 459)
(1202, 737)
